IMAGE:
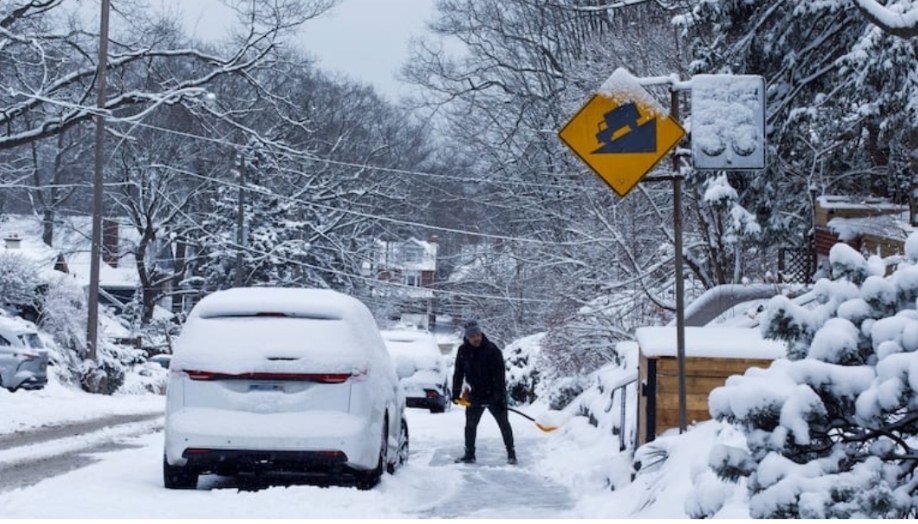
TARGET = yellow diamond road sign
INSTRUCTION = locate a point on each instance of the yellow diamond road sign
(621, 138)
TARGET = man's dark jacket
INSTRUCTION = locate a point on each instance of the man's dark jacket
(483, 370)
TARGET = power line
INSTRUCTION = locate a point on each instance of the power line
(368, 280)
(392, 170)
(365, 215)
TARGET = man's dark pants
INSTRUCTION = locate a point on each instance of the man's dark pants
(473, 417)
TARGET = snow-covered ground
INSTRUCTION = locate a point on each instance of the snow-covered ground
(573, 472)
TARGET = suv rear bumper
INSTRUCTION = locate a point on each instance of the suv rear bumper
(436, 403)
(233, 461)
(34, 382)
(297, 437)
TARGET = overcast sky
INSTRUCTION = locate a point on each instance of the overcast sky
(366, 40)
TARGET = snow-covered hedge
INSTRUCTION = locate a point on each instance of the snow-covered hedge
(830, 432)
(523, 376)
(592, 420)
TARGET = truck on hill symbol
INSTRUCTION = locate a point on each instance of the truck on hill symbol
(619, 131)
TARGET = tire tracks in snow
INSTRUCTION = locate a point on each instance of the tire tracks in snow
(27, 457)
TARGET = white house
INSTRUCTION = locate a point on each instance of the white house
(406, 270)
(71, 252)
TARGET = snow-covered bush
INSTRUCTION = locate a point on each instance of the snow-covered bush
(561, 392)
(20, 280)
(522, 374)
(831, 431)
(64, 313)
(64, 317)
(146, 377)
(593, 420)
(606, 390)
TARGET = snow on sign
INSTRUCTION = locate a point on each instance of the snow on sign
(621, 132)
(728, 122)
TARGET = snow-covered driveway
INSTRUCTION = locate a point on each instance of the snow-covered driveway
(120, 476)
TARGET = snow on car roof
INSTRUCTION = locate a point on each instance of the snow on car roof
(409, 335)
(314, 303)
(417, 347)
(17, 325)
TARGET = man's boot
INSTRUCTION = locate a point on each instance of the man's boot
(511, 457)
(468, 458)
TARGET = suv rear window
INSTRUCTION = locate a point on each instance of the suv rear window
(276, 314)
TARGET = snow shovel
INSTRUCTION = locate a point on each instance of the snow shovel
(543, 427)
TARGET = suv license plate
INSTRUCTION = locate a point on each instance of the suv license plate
(266, 387)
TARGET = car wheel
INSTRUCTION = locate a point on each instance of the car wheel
(179, 477)
(369, 479)
(401, 457)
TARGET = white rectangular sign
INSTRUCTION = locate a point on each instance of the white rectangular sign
(728, 122)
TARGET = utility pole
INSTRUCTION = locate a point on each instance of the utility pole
(92, 329)
(240, 220)
(680, 283)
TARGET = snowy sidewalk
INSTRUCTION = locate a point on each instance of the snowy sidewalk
(57, 405)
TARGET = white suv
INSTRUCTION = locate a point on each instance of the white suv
(282, 380)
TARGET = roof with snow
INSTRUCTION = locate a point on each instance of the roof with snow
(894, 227)
(406, 255)
(72, 239)
(846, 202)
(709, 342)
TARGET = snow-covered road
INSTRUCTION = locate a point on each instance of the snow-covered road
(28, 457)
(118, 475)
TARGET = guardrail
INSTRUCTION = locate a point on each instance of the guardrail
(622, 385)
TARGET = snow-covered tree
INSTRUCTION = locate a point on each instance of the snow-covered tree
(831, 431)
(20, 280)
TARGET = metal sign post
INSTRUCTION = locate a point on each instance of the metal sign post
(680, 285)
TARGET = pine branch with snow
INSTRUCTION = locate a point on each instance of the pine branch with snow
(831, 431)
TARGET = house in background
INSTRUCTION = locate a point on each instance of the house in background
(71, 253)
(872, 226)
(406, 272)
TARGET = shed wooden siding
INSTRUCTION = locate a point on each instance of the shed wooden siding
(825, 238)
(660, 376)
(883, 246)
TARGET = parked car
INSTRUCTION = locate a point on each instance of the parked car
(282, 380)
(422, 369)
(23, 357)
(162, 359)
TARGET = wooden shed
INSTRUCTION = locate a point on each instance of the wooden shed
(711, 355)
(872, 226)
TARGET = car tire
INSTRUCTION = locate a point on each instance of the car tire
(401, 455)
(179, 477)
(369, 479)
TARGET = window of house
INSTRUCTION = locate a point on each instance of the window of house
(412, 280)
(412, 255)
